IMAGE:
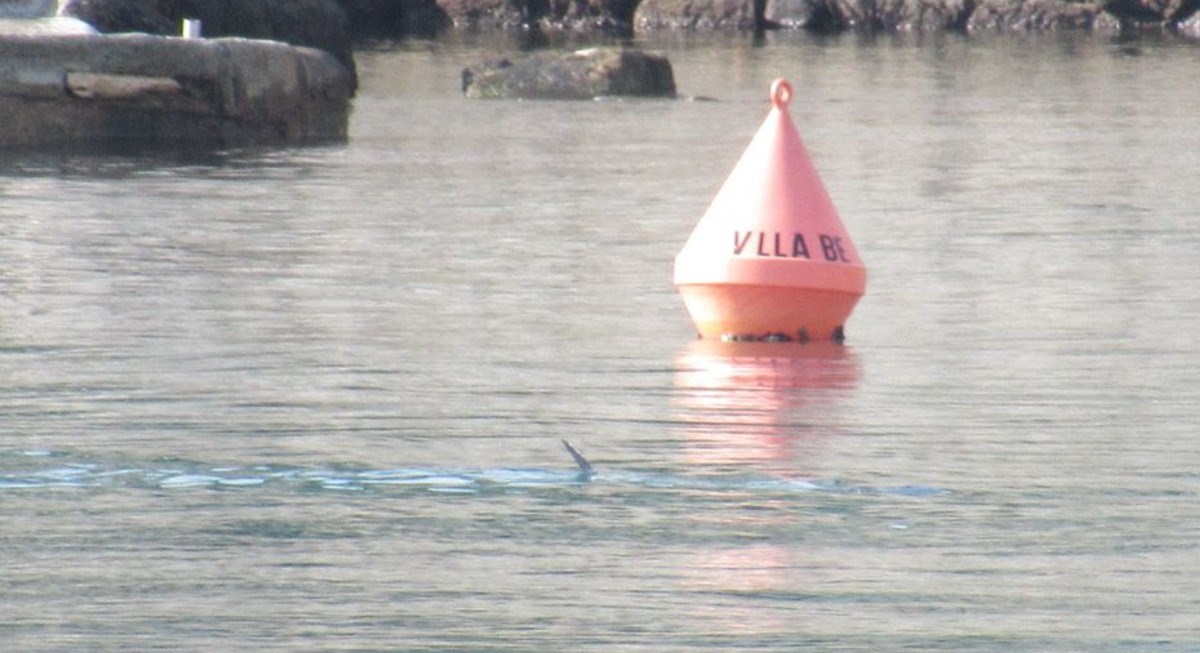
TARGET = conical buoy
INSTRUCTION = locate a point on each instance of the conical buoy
(770, 259)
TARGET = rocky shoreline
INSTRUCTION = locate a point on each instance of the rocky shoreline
(833, 16)
(334, 25)
(67, 90)
(628, 17)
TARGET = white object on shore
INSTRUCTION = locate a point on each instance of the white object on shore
(191, 28)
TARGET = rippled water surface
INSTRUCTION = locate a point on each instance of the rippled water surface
(313, 399)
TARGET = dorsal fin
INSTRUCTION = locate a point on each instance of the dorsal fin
(584, 465)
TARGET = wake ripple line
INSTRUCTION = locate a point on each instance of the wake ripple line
(48, 470)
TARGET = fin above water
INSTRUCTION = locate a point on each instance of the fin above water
(584, 465)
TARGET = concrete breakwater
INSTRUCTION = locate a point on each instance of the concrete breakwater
(80, 89)
(333, 25)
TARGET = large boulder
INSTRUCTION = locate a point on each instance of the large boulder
(80, 90)
(581, 75)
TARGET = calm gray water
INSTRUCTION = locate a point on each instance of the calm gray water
(312, 399)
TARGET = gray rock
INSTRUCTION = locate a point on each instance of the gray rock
(580, 75)
(94, 90)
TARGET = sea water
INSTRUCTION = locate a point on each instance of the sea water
(312, 399)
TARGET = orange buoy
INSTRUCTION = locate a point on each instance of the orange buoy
(770, 259)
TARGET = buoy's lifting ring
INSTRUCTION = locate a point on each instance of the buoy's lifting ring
(781, 93)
